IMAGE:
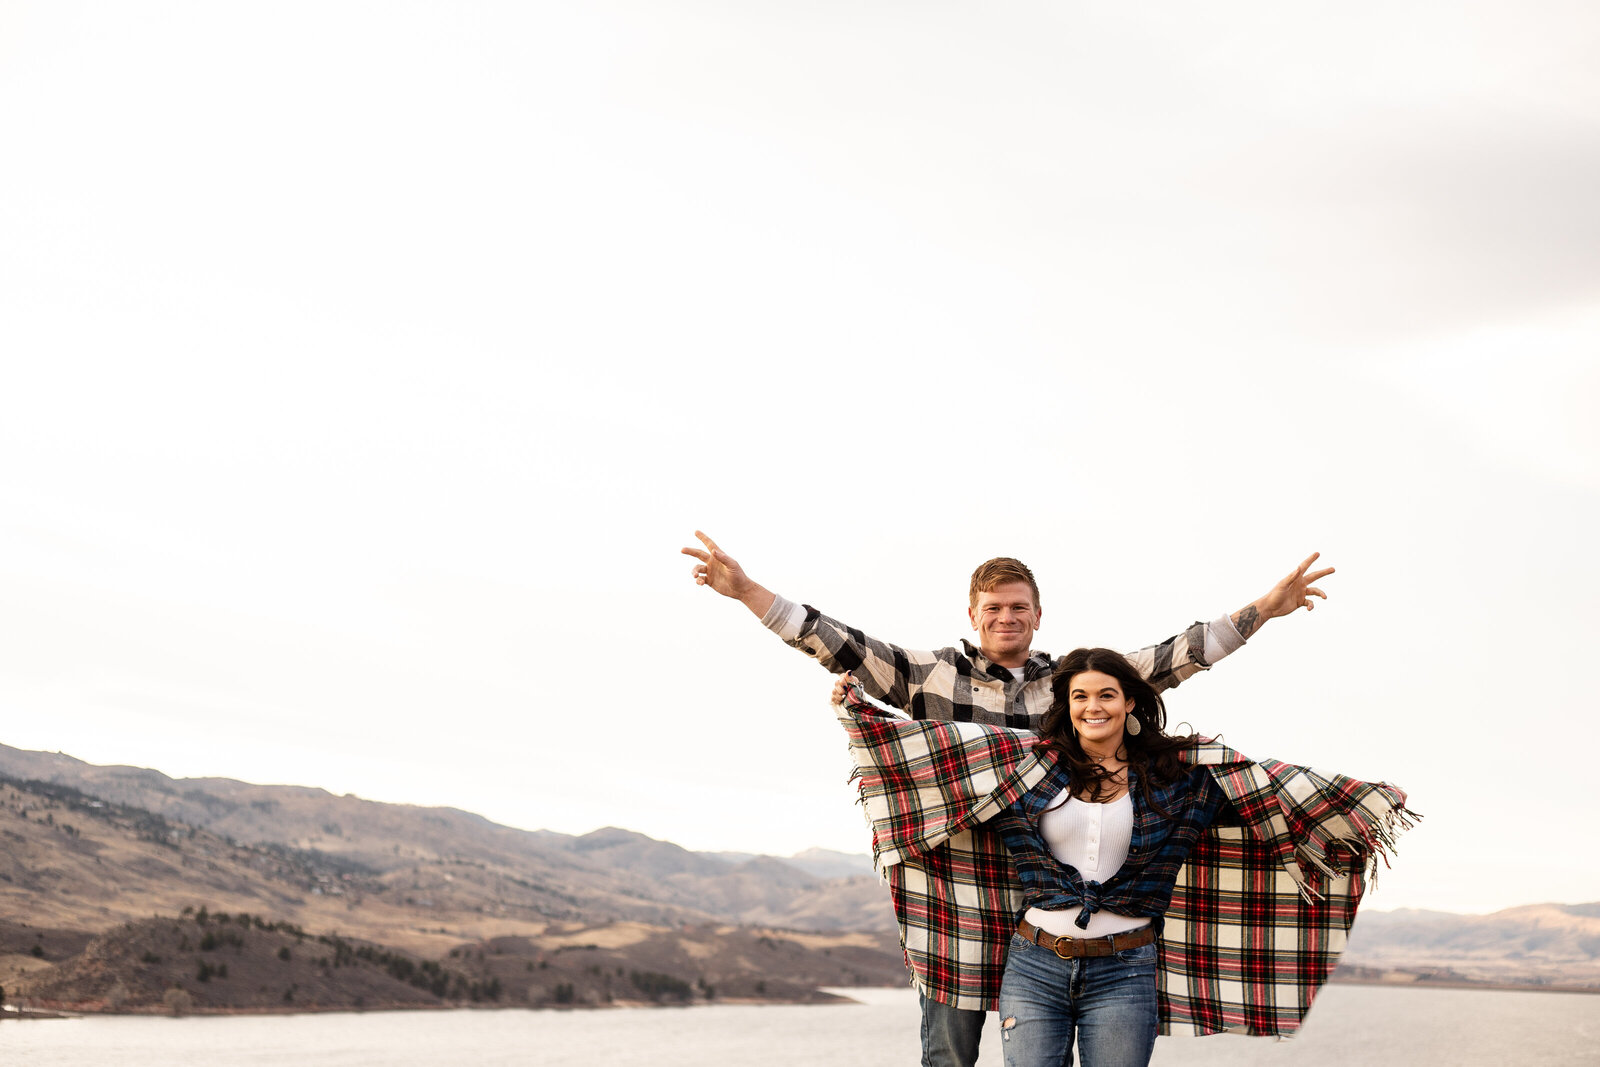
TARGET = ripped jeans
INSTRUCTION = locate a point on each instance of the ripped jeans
(1107, 1002)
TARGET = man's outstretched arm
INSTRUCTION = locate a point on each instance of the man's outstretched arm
(1203, 644)
(887, 672)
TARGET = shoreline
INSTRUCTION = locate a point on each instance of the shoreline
(1506, 987)
(53, 1009)
(61, 1010)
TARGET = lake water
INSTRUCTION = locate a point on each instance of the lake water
(1352, 1025)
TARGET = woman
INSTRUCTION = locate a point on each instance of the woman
(1098, 845)
(1163, 883)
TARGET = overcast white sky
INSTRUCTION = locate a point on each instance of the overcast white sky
(366, 365)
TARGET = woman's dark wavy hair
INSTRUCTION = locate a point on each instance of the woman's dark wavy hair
(1152, 752)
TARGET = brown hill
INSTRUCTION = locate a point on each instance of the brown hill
(225, 962)
(1544, 945)
(208, 962)
(536, 918)
(445, 862)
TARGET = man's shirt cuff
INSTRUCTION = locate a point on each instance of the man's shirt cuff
(1222, 637)
(786, 618)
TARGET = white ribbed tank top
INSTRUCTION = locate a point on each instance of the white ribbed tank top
(1093, 839)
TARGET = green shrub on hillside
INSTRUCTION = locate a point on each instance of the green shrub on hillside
(656, 986)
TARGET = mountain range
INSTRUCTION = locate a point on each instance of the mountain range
(112, 878)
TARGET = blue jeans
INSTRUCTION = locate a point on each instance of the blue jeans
(1107, 1002)
(949, 1035)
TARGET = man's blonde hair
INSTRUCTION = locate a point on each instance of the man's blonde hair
(1002, 570)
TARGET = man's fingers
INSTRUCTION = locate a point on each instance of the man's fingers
(1307, 562)
(697, 553)
(1317, 576)
(712, 545)
(723, 558)
(1314, 591)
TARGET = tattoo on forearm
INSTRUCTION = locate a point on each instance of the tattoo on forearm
(1246, 620)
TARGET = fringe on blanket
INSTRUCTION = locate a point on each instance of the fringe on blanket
(1373, 837)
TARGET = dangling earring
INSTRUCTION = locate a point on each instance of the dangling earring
(1132, 725)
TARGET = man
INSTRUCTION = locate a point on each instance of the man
(1002, 682)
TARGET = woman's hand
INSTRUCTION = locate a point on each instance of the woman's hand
(840, 684)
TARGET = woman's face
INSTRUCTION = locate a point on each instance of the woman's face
(1098, 709)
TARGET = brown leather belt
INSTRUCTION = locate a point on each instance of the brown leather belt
(1073, 947)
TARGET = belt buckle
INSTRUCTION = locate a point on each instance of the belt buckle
(1055, 947)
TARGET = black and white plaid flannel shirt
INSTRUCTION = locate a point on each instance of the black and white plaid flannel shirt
(960, 684)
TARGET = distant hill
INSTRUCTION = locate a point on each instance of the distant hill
(818, 862)
(1541, 945)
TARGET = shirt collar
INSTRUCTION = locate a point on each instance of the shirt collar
(1038, 664)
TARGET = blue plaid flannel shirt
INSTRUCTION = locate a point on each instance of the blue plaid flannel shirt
(1160, 845)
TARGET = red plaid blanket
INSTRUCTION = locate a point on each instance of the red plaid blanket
(1259, 915)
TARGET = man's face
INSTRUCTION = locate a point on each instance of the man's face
(1005, 618)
